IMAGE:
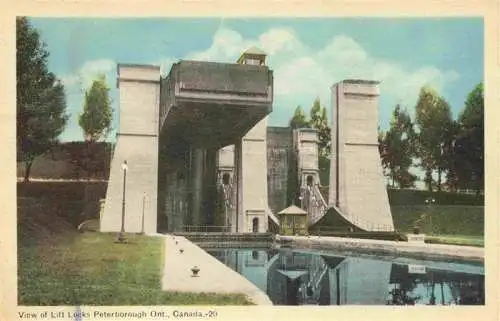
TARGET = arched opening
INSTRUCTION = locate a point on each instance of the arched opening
(255, 255)
(226, 178)
(309, 180)
(255, 225)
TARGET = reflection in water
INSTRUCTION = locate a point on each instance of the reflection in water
(299, 278)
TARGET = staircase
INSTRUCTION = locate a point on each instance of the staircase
(227, 192)
(319, 207)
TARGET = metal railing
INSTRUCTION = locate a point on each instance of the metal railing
(319, 208)
(206, 228)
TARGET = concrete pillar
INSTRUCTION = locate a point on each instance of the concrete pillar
(209, 186)
(357, 182)
(250, 192)
(334, 197)
(197, 186)
(254, 195)
(238, 190)
(137, 143)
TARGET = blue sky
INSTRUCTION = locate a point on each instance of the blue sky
(307, 55)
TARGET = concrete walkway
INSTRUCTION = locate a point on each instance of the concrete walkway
(214, 276)
(411, 249)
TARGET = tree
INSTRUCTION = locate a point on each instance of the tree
(399, 149)
(469, 142)
(319, 121)
(299, 119)
(97, 115)
(453, 161)
(434, 121)
(382, 149)
(95, 122)
(41, 102)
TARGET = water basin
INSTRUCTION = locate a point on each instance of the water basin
(309, 277)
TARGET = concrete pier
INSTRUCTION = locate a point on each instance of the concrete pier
(214, 276)
(405, 249)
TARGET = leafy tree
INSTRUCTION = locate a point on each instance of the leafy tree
(299, 119)
(452, 161)
(319, 121)
(97, 115)
(41, 102)
(95, 122)
(91, 158)
(434, 121)
(399, 149)
(469, 142)
(382, 149)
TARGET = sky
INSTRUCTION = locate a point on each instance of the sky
(307, 56)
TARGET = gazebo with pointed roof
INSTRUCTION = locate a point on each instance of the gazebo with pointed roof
(253, 56)
(293, 221)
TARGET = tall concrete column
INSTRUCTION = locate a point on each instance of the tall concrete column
(209, 186)
(136, 143)
(237, 189)
(333, 193)
(357, 184)
(197, 186)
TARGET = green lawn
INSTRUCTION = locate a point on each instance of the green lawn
(455, 240)
(90, 269)
(441, 220)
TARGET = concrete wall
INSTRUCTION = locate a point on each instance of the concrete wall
(137, 143)
(279, 157)
(356, 177)
(226, 157)
(251, 177)
(306, 142)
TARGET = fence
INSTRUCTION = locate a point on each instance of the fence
(206, 228)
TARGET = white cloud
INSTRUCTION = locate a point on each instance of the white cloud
(75, 85)
(165, 65)
(227, 45)
(88, 72)
(301, 73)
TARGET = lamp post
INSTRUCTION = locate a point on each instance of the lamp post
(429, 202)
(121, 236)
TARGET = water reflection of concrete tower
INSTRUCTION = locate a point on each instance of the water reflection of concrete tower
(252, 264)
(288, 278)
(359, 281)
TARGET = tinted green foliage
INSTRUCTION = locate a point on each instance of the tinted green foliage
(97, 115)
(41, 102)
(73, 160)
(397, 149)
(441, 220)
(468, 152)
(418, 197)
(299, 119)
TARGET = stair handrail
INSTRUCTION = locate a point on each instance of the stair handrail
(353, 219)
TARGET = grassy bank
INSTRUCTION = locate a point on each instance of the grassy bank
(455, 240)
(441, 220)
(90, 269)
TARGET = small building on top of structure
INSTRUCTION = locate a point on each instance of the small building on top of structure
(253, 56)
(293, 221)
